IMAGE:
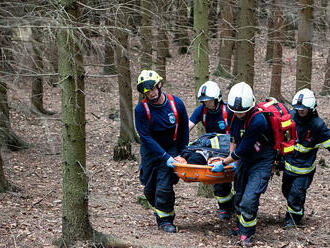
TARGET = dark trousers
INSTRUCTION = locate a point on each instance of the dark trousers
(222, 192)
(251, 180)
(158, 181)
(294, 189)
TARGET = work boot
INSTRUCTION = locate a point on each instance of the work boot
(234, 231)
(167, 227)
(223, 214)
(246, 241)
(290, 223)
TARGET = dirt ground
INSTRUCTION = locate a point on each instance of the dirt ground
(32, 217)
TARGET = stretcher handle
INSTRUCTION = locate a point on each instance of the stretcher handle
(199, 166)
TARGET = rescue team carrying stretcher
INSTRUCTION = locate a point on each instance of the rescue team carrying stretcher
(243, 142)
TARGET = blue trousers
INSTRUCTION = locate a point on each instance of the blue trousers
(294, 189)
(158, 180)
(251, 180)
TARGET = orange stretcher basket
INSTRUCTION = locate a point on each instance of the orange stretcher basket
(202, 173)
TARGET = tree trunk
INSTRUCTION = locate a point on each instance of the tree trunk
(146, 35)
(213, 18)
(181, 24)
(246, 41)
(326, 85)
(304, 45)
(12, 141)
(162, 40)
(4, 185)
(227, 39)
(127, 131)
(201, 58)
(37, 81)
(270, 38)
(75, 220)
(109, 53)
(275, 88)
(201, 47)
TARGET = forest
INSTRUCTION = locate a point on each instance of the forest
(69, 150)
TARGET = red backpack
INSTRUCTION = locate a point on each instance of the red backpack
(284, 128)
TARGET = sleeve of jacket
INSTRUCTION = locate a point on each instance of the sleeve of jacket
(252, 134)
(323, 136)
(183, 132)
(143, 128)
(197, 115)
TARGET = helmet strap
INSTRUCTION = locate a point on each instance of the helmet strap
(159, 94)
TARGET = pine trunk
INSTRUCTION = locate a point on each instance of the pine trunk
(127, 132)
(227, 37)
(146, 34)
(4, 185)
(246, 41)
(304, 45)
(75, 220)
(109, 53)
(181, 24)
(275, 88)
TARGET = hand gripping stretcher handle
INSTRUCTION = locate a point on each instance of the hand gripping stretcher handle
(200, 166)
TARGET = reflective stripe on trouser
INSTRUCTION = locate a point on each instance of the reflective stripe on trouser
(291, 211)
(224, 194)
(246, 223)
(224, 199)
(162, 214)
(300, 171)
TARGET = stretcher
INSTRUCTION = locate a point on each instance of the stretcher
(202, 173)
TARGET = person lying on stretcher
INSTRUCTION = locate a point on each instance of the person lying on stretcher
(209, 149)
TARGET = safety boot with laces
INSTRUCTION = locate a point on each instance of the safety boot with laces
(167, 227)
(223, 214)
(234, 231)
(246, 241)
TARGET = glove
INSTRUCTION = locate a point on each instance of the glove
(180, 160)
(234, 164)
(217, 166)
(170, 162)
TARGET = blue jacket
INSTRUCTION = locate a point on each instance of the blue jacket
(157, 138)
(214, 119)
(251, 137)
(311, 134)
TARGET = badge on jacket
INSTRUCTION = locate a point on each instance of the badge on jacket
(171, 118)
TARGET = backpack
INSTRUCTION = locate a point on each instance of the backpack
(284, 128)
(173, 107)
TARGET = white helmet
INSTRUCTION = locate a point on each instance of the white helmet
(209, 91)
(241, 98)
(304, 99)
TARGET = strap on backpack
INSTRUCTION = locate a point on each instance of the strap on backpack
(173, 107)
(176, 116)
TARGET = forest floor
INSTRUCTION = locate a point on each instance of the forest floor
(32, 216)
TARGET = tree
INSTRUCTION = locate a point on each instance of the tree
(201, 61)
(181, 25)
(10, 138)
(37, 83)
(304, 45)
(127, 131)
(146, 34)
(326, 84)
(246, 41)
(270, 38)
(275, 88)
(213, 17)
(227, 37)
(109, 52)
(162, 40)
(201, 47)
